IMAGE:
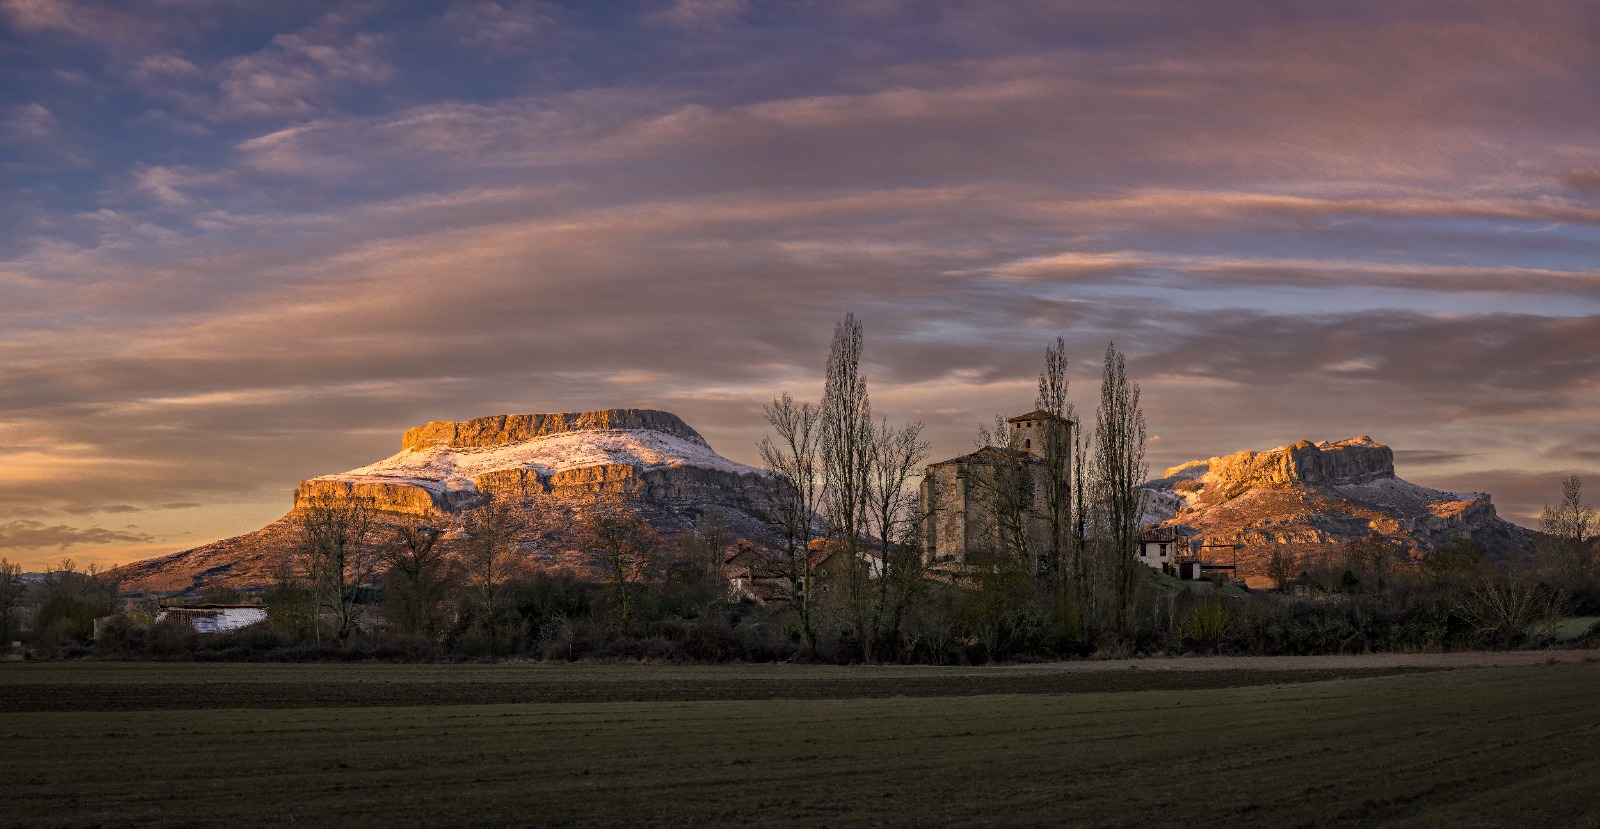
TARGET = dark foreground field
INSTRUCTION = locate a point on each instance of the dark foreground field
(1296, 744)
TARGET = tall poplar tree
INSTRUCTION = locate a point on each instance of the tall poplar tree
(1119, 470)
(1057, 455)
(846, 431)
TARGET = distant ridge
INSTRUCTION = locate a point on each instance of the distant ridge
(1313, 498)
(549, 465)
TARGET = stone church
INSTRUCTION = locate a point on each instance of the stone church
(992, 501)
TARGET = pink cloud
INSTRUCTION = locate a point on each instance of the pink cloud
(296, 76)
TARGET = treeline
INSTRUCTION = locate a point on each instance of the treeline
(1373, 598)
(58, 609)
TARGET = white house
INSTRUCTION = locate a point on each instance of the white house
(1159, 547)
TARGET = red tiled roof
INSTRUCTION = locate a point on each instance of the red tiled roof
(1159, 534)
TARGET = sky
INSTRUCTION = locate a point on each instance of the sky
(243, 244)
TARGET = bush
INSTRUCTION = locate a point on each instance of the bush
(712, 640)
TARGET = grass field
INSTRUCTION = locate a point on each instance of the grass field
(342, 745)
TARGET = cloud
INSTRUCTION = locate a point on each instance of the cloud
(36, 140)
(1191, 272)
(88, 509)
(501, 27)
(87, 20)
(1431, 457)
(1585, 180)
(31, 535)
(699, 15)
(298, 75)
(30, 124)
(164, 67)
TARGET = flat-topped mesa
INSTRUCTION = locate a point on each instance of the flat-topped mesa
(502, 430)
(1352, 461)
(447, 466)
(547, 468)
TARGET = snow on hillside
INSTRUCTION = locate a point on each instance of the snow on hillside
(446, 468)
(1398, 493)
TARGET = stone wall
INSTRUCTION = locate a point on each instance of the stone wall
(960, 519)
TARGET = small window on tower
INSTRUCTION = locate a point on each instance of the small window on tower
(1027, 444)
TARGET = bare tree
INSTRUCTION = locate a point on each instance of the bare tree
(489, 560)
(71, 599)
(414, 585)
(336, 556)
(1281, 566)
(794, 491)
(709, 537)
(1372, 561)
(882, 587)
(624, 547)
(11, 589)
(1119, 470)
(1569, 531)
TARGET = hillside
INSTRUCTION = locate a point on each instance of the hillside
(1313, 498)
(547, 465)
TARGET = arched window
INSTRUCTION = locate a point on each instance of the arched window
(1027, 444)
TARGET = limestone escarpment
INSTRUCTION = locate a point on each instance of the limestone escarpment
(398, 498)
(1352, 461)
(1313, 498)
(502, 430)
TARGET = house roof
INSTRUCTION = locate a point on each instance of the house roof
(1159, 534)
(993, 455)
(1036, 414)
(213, 606)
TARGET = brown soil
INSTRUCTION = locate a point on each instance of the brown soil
(98, 696)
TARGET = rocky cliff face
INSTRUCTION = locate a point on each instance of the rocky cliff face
(502, 430)
(547, 465)
(1356, 460)
(1313, 498)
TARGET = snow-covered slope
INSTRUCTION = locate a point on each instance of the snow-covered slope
(446, 468)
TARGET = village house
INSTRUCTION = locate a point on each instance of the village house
(993, 500)
(1167, 549)
(754, 576)
(1159, 547)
